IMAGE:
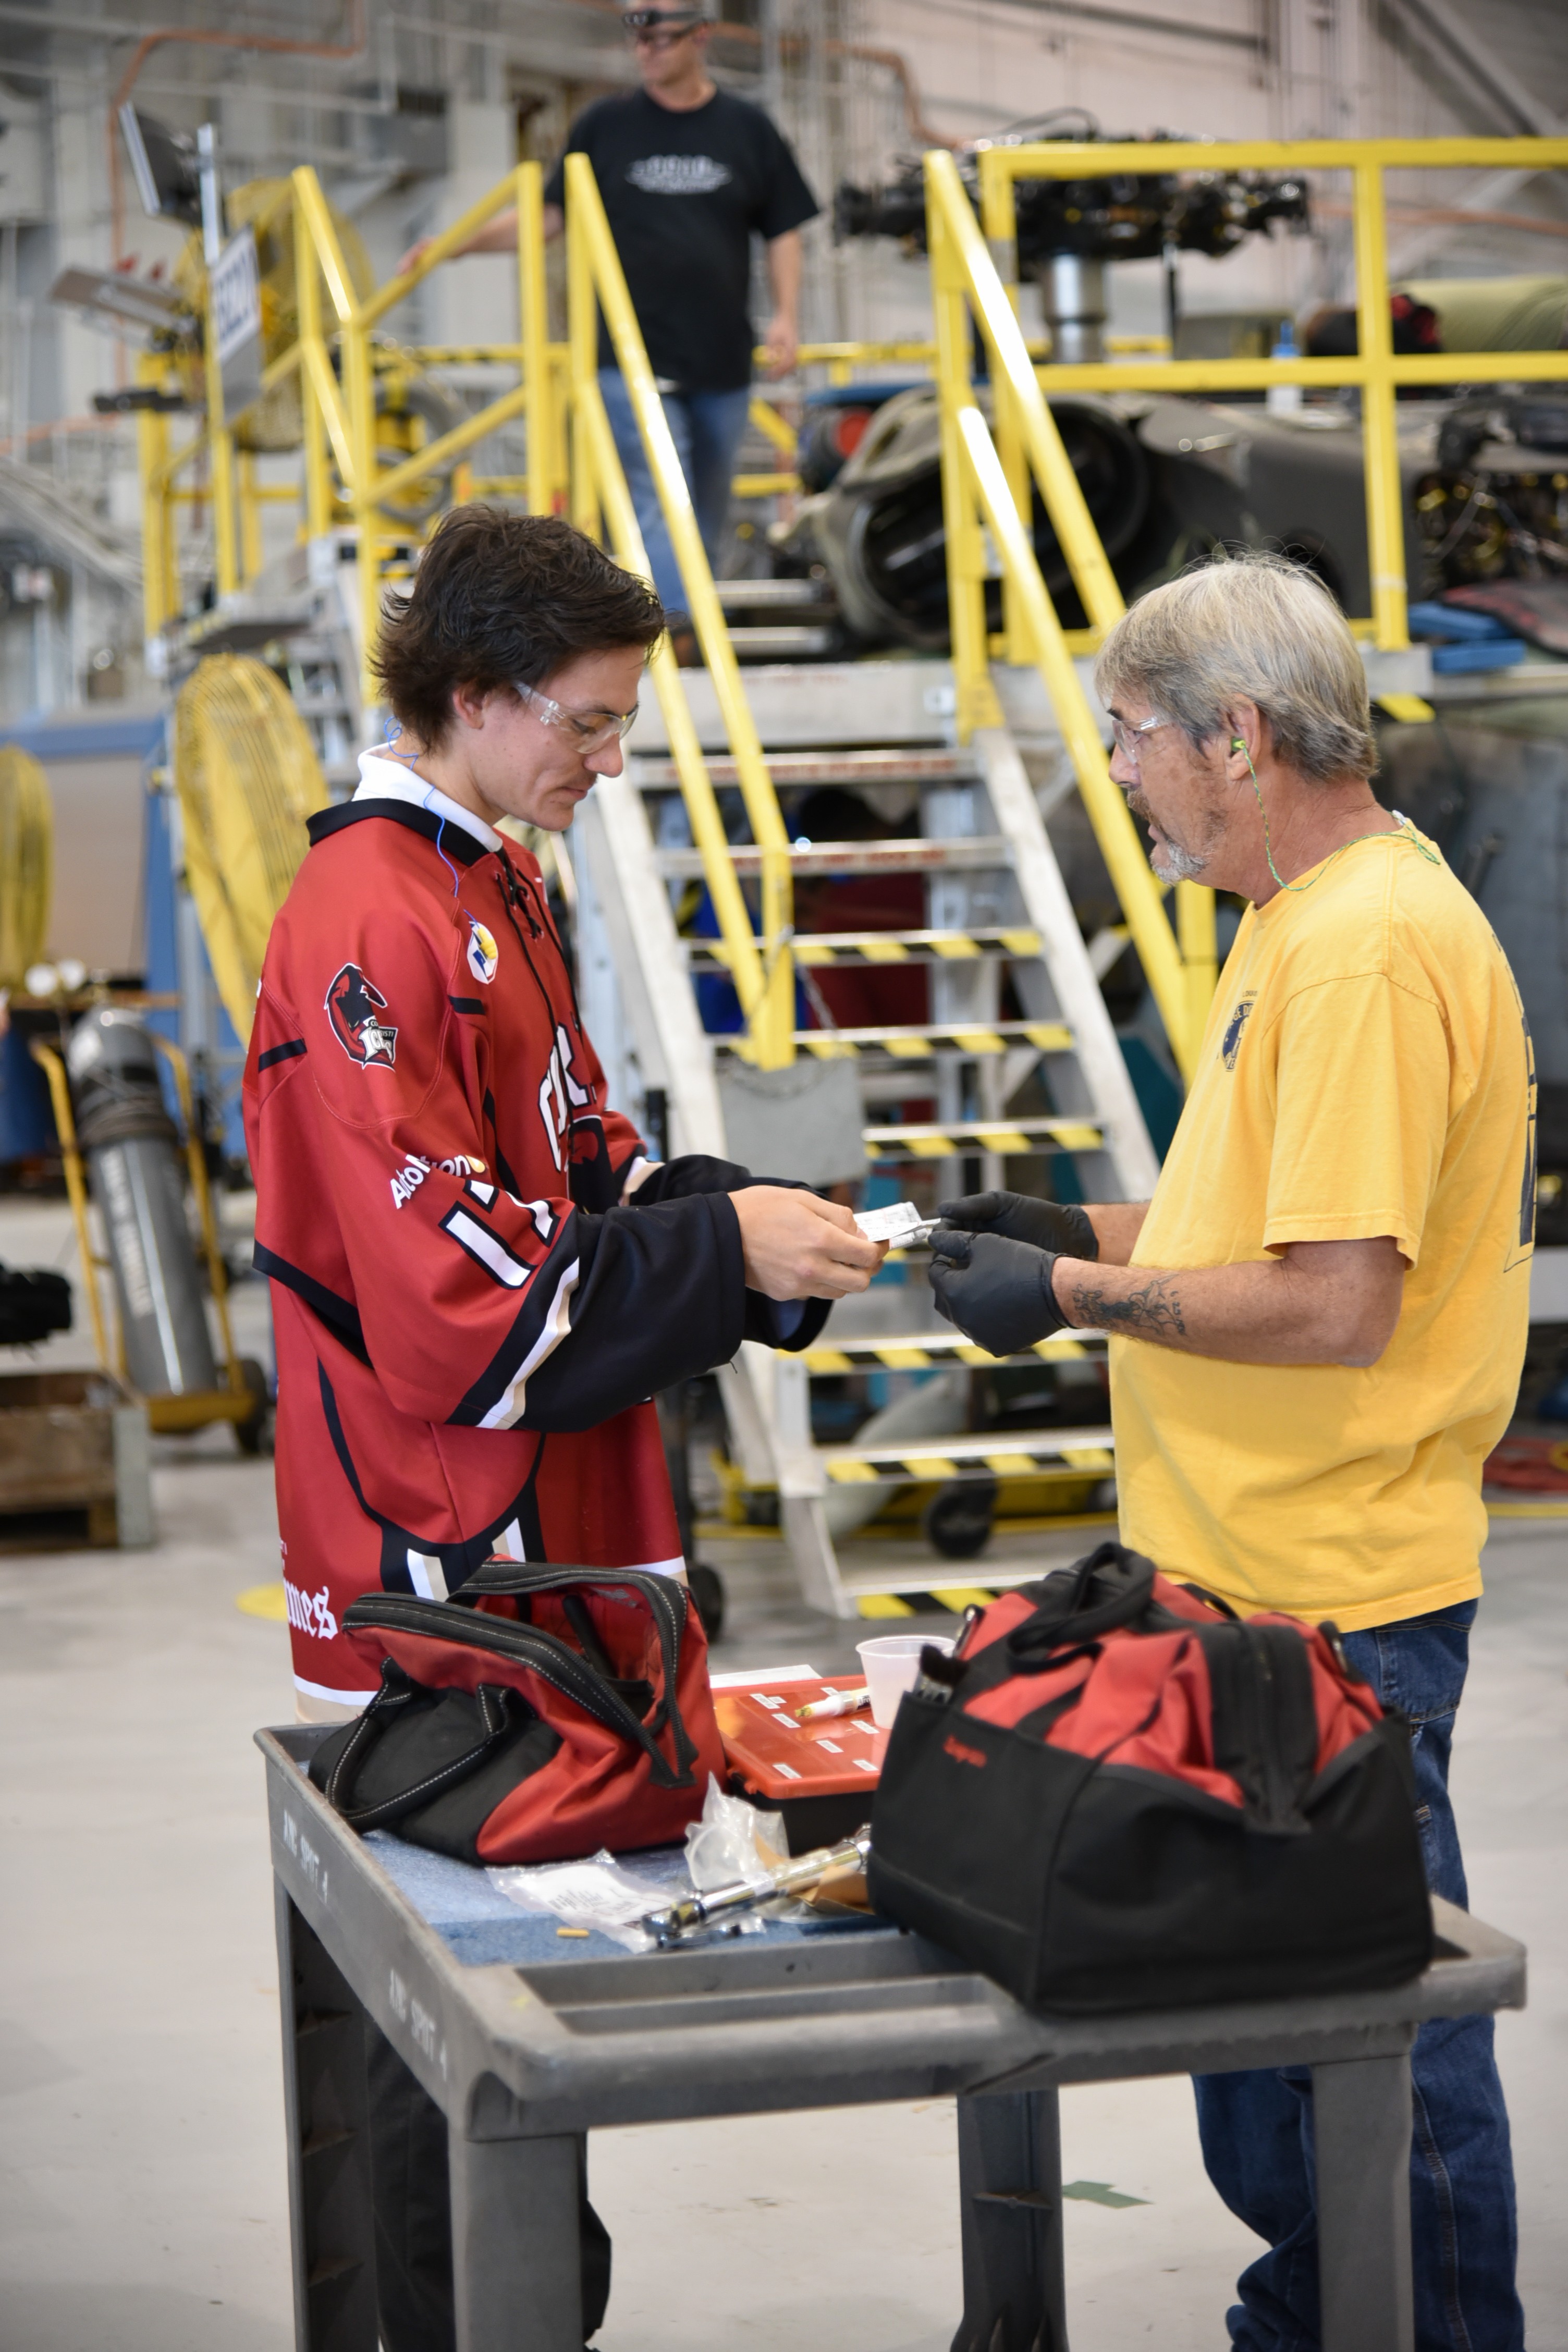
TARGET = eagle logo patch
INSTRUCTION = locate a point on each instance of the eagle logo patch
(484, 955)
(354, 1005)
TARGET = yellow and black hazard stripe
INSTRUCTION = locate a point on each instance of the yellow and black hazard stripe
(848, 948)
(895, 1355)
(877, 1465)
(1005, 1136)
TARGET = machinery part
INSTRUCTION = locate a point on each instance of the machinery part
(250, 1433)
(706, 1589)
(1496, 504)
(247, 778)
(277, 420)
(881, 532)
(131, 1146)
(798, 1877)
(412, 410)
(1076, 305)
(958, 1520)
(938, 1408)
(1113, 216)
(26, 863)
(34, 1301)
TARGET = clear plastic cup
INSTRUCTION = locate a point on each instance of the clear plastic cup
(890, 1665)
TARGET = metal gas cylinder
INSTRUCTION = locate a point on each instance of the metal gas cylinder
(131, 1150)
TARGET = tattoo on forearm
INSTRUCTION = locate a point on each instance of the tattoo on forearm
(1155, 1311)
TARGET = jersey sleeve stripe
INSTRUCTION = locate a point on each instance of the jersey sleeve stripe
(512, 1403)
(487, 1249)
(284, 1053)
(341, 1317)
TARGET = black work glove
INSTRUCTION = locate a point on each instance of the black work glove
(997, 1291)
(1045, 1224)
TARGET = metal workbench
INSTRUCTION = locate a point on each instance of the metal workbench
(525, 2051)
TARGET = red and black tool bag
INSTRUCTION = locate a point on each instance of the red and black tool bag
(1116, 1794)
(539, 1714)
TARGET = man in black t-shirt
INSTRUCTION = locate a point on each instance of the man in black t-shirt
(688, 173)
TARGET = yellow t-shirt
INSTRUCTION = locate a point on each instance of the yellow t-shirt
(1366, 1069)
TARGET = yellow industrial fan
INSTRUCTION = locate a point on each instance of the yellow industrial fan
(26, 864)
(248, 777)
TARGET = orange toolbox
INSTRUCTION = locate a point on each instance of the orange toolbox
(820, 1776)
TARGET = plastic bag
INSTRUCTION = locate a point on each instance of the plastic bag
(733, 1841)
(596, 1893)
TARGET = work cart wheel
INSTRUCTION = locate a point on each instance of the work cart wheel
(957, 1521)
(707, 1590)
(250, 1432)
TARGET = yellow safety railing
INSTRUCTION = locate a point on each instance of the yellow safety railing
(982, 494)
(988, 477)
(339, 405)
(1375, 369)
(595, 281)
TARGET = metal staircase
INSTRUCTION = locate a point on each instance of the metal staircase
(937, 1095)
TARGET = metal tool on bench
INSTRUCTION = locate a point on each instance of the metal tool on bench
(721, 1904)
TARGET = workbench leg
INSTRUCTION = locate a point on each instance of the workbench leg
(516, 2254)
(1360, 2131)
(332, 2231)
(1010, 2199)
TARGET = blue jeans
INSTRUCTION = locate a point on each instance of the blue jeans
(1256, 2128)
(706, 427)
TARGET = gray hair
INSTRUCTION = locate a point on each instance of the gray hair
(1255, 626)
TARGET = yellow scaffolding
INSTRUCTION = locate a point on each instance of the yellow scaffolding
(988, 470)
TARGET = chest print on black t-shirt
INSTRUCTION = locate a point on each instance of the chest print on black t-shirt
(678, 176)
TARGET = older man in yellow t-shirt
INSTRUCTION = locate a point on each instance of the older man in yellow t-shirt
(1317, 1323)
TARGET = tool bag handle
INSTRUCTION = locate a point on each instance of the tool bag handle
(1112, 1587)
(396, 1692)
(667, 1604)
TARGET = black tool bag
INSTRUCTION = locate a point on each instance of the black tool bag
(1117, 1795)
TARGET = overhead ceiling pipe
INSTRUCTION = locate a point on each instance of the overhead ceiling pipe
(271, 44)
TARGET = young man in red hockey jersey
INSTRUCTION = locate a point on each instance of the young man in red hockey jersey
(478, 1278)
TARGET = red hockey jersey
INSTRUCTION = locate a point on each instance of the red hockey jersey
(471, 1312)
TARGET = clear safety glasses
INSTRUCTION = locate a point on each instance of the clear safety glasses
(1125, 738)
(590, 733)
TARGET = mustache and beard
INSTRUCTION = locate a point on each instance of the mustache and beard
(1170, 861)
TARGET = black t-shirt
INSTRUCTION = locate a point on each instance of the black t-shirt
(683, 192)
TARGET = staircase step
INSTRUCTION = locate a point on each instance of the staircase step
(819, 948)
(775, 641)
(794, 769)
(908, 1045)
(1057, 1454)
(776, 595)
(972, 853)
(1001, 1135)
(917, 1351)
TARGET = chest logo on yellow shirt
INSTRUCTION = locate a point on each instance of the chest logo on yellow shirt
(484, 956)
(1230, 1043)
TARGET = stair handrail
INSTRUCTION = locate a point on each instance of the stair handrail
(975, 484)
(595, 281)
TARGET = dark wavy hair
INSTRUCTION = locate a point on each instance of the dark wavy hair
(501, 599)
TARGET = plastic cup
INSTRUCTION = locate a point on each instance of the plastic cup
(890, 1665)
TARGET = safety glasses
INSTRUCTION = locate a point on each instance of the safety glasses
(1125, 738)
(588, 733)
(649, 23)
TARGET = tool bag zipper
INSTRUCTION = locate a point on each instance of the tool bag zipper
(553, 1661)
(667, 1603)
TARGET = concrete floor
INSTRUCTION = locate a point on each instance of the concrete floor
(142, 2192)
